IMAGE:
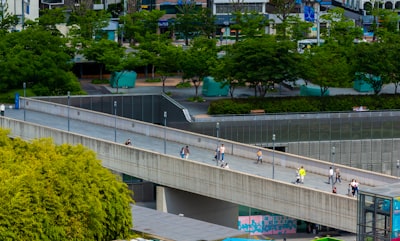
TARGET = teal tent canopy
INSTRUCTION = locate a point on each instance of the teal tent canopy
(213, 88)
(123, 79)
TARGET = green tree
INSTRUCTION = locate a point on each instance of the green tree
(87, 24)
(7, 21)
(149, 49)
(327, 66)
(249, 24)
(167, 61)
(341, 28)
(224, 72)
(51, 192)
(105, 52)
(389, 64)
(139, 24)
(196, 61)
(264, 62)
(38, 57)
(188, 20)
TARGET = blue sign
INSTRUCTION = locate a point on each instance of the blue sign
(309, 14)
(16, 101)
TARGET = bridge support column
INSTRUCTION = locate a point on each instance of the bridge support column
(196, 206)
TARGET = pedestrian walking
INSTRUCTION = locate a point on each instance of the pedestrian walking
(222, 152)
(2, 109)
(186, 152)
(297, 176)
(302, 173)
(259, 156)
(337, 174)
(182, 152)
(330, 175)
(128, 142)
(353, 187)
(217, 154)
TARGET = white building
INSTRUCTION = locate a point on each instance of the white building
(24, 9)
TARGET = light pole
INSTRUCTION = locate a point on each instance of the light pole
(165, 132)
(217, 128)
(398, 166)
(69, 95)
(333, 162)
(226, 23)
(24, 86)
(273, 156)
(115, 121)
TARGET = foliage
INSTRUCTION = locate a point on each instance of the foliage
(38, 57)
(105, 52)
(192, 21)
(7, 21)
(342, 29)
(185, 84)
(365, 56)
(51, 192)
(87, 24)
(262, 63)
(155, 80)
(317, 70)
(196, 99)
(196, 61)
(249, 24)
(303, 104)
(138, 25)
(167, 61)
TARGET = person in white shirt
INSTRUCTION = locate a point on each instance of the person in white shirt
(330, 176)
(222, 152)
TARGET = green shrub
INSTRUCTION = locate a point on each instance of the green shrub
(196, 99)
(304, 104)
(155, 80)
(185, 84)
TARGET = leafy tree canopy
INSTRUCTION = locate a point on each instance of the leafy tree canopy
(38, 57)
(51, 192)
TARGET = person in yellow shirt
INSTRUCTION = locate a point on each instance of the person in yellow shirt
(259, 156)
(302, 173)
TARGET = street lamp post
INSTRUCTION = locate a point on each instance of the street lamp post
(165, 132)
(217, 128)
(273, 156)
(398, 166)
(226, 23)
(333, 162)
(115, 121)
(69, 96)
(24, 86)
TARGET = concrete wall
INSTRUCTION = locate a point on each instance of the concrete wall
(378, 155)
(231, 186)
(198, 207)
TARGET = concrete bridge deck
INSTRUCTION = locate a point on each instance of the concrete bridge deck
(245, 183)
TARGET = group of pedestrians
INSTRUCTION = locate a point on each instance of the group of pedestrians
(334, 174)
(300, 174)
(353, 187)
(220, 153)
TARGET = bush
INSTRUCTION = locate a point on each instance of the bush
(185, 84)
(155, 80)
(304, 104)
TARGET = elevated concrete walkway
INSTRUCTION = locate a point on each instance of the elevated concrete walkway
(244, 183)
